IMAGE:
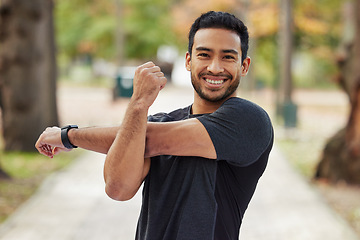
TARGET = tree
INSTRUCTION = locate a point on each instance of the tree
(341, 156)
(288, 108)
(27, 70)
(89, 31)
(141, 36)
(145, 25)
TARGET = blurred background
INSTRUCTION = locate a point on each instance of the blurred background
(72, 61)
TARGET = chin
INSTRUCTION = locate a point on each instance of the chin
(214, 98)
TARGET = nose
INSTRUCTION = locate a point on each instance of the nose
(215, 66)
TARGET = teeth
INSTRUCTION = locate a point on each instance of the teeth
(214, 81)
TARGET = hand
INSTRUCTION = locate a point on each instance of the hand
(148, 81)
(49, 142)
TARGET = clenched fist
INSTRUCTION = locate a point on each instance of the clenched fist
(148, 81)
(49, 142)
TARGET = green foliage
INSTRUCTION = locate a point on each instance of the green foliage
(85, 27)
(88, 27)
(74, 25)
(266, 60)
(317, 33)
(147, 25)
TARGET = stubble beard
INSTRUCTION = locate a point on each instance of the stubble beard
(228, 92)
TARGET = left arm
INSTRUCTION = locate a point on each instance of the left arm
(125, 166)
(181, 138)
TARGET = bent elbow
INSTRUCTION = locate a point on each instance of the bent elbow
(118, 193)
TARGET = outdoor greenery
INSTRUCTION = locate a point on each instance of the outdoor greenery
(86, 30)
(146, 25)
(27, 171)
(90, 30)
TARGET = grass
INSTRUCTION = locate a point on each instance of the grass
(27, 171)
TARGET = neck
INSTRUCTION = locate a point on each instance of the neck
(202, 106)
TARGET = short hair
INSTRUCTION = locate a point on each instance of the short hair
(221, 20)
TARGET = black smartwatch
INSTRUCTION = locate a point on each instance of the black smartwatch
(64, 136)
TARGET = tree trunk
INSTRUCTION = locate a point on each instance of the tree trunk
(341, 156)
(27, 70)
(285, 107)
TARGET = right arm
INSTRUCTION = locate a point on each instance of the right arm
(125, 167)
(97, 139)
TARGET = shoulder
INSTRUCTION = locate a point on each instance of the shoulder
(241, 106)
(176, 115)
(247, 116)
(241, 111)
(240, 130)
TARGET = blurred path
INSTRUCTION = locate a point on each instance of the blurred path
(286, 207)
(72, 204)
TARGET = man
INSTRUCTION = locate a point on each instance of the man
(200, 164)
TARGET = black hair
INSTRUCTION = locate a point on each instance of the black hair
(221, 20)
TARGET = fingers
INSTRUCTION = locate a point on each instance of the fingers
(42, 147)
(150, 67)
(57, 150)
(148, 81)
(162, 79)
(149, 71)
(48, 141)
(46, 150)
(147, 65)
(160, 74)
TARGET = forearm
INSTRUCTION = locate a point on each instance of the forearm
(124, 164)
(125, 167)
(97, 139)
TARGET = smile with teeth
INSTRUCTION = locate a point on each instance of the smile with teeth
(214, 81)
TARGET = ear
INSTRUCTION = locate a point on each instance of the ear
(188, 61)
(245, 66)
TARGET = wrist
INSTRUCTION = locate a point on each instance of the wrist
(65, 139)
(71, 136)
(138, 105)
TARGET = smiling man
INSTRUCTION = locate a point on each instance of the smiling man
(200, 164)
(215, 64)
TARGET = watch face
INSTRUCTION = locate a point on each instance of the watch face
(70, 126)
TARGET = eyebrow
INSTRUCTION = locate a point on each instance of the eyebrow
(232, 51)
(203, 49)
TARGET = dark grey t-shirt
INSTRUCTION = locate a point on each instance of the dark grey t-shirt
(198, 198)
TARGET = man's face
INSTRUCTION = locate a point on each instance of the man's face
(215, 64)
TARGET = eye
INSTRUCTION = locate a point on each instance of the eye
(229, 57)
(203, 55)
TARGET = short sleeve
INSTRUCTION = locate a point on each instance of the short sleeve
(240, 130)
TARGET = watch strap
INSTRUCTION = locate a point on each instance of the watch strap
(65, 138)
